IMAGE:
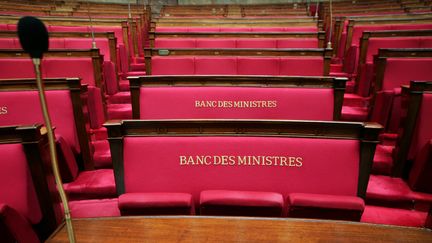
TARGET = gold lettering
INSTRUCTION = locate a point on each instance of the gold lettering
(3, 110)
(236, 104)
(246, 160)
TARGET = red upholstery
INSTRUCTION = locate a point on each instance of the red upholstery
(393, 216)
(256, 43)
(139, 171)
(118, 31)
(306, 205)
(325, 201)
(423, 131)
(382, 107)
(16, 187)
(257, 66)
(16, 68)
(354, 113)
(400, 71)
(92, 184)
(383, 160)
(215, 65)
(421, 172)
(175, 43)
(297, 43)
(171, 29)
(70, 67)
(7, 43)
(102, 154)
(241, 203)
(310, 66)
(233, 29)
(389, 191)
(94, 208)
(95, 107)
(285, 103)
(110, 77)
(86, 43)
(216, 43)
(56, 43)
(67, 162)
(28, 111)
(156, 203)
(16, 225)
(173, 65)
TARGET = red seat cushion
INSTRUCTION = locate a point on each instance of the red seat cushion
(354, 113)
(306, 205)
(16, 225)
(393, 216)
(92, 184)
(175, 43)
(156, 203)
(246, 203)
(389, 191)
(383, 160)
(94, 208)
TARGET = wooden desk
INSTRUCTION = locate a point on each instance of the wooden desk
(234, 229)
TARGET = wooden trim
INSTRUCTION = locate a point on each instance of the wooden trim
(125, 31)
(35, 146)
(76, 90)
(320, 35)
(133, 35)
(367, 133)
(416, 91)
(338, 84)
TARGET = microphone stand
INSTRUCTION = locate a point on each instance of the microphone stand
(52, 149)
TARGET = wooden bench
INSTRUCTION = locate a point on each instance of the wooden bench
(286, 39)
(221, 97)
(289, 159)
(24, 187)
(298, 62)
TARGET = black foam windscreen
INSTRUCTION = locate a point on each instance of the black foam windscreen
(33, 36)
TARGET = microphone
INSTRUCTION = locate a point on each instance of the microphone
(33, 37)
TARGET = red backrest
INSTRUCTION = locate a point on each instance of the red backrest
(24, 108)
(16, 68)
(257, 66)
(234, 29)
(7, 43)
(256, 43)
(172, 29)
(400, 71)
(57, 43)
(308, 66)
(236, 103)
(16, 185)
(171, 164)
(70, 67)
(172, 65)
(215, 65)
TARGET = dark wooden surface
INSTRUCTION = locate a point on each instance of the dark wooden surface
(229, 229)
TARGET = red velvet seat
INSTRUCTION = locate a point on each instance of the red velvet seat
(85, 184)
(216, 43)
(292, 66)
(307, 205)
(175, 43)
(173, 65)
(394, 216)
(241, 203)
(14, 227)
(228, 166)
(297, 43)
(259, 43)
(94, 208)
(156, 204)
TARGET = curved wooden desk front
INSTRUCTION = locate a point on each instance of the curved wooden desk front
(234, 229)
